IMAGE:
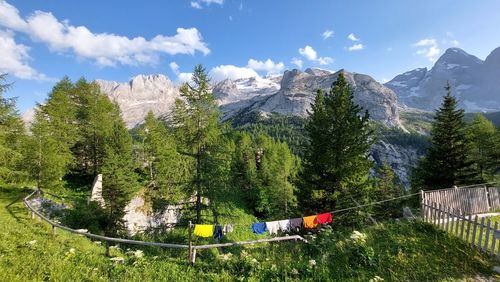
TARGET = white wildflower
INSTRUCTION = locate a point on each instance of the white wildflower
(254, 261)
(97, 242)
(32, 242)
(72, 250)
(138, 254)
(312, 262)
(376, 279)
(295, 271)
(117, 259)
(358, 237)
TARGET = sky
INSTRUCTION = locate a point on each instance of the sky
(42, 41)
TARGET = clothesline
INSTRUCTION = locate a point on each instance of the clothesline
(307, 222)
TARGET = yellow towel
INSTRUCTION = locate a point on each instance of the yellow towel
(203, 230)
(310, 222)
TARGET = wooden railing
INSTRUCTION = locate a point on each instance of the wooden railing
(477, 231)
(473, 199)
(192, 248)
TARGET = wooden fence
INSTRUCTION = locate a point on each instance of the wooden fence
(471, 200)
(479, 232)
(191, 248)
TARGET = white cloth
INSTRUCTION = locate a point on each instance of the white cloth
(228, 228)
(273, 227)
(284, 225)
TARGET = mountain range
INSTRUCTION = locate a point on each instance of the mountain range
(476, 83)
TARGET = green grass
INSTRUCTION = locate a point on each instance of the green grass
(402, 251)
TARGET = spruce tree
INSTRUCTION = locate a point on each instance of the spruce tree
(446, 162)
(386, 188)
(196, 119)
(119, 180)
(336, 164)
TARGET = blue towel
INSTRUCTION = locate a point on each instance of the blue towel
(218, 232)
(259, 228)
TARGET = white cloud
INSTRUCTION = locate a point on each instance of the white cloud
(222, 72)
(455, 42)
(14, 58)
(269, 66)
(105, 49)
(352, 37)
(428, 48)
(356, 47)
(198, 4)
(297, 62)
(174, 67)
(309, 53)
(184, 77)
(327, 34)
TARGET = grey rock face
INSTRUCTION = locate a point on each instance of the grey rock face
(401, 159)
(298, 90)
(140, 95)
(475, 83)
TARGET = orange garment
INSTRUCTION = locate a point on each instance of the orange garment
(310, 222)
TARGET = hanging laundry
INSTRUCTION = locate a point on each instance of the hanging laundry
(228, 228)
(218, 232)
(284, 225)
(324, 218)
(310, 222)
(259, 228)
(296, 224)
(272, 227)
(203, 230)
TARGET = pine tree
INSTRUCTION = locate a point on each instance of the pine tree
(446, 163)
(196, 119)
(119, 180)
(12, 137)
(485, 152)
(336, 164)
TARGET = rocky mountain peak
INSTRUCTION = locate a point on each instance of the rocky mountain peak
(454, 57)
(493, 58)
(317, 72)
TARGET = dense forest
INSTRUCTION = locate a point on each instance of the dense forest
(267, 167)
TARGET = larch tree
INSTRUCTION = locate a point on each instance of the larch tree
(196, 120)
(485, 147)
(12, 137)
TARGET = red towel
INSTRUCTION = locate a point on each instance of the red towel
(324, 218)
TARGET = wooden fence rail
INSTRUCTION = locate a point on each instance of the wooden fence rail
(470, 199)
(481, 233)
(191, 248)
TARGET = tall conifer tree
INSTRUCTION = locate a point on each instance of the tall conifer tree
(447, 161)
(336, 164)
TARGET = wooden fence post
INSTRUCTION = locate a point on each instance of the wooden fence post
(422, 204)
(487, 197)
(190, 243)
(53, 230)
(107, 249)
(493, 243)
(487, 238)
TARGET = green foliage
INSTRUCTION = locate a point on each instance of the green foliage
(446, 163)
(196, 122)
(289, 129)
(395, 252)
(485, 149)
(265, 172)
(398, 136)
(164, 168)
(12, 137)
(336, 166)
(119, 177)
(386, 188)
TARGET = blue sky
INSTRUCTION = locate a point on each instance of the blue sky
(41, 41)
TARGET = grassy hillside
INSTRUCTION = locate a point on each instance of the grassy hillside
(392, 251)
